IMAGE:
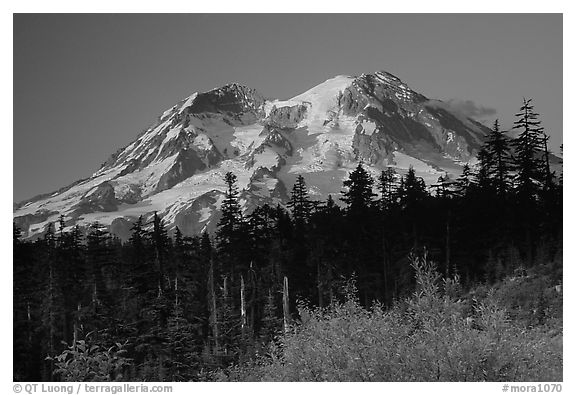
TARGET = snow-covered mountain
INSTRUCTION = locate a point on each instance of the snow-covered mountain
(176, 167)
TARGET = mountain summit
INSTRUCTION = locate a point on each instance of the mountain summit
(176, 167)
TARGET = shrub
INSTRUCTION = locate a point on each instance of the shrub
(85, 361)
(431, 336)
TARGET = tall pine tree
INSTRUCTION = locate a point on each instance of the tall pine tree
(359, 194)
(497, 147)
(300, 204)
(528, 152)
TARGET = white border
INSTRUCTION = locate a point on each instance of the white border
(228, 6)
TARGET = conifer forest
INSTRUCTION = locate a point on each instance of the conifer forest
(391, 280)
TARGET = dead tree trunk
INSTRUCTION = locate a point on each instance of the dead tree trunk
(242, 306)
(286, 305)
(213, 307)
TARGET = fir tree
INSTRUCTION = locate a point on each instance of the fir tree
(61, 227)
(444, 186)
(497, 147)
(231, 214)
(464, 180)
(528, 148)
(412, 190)
(482, 182)
(549, 180)
(387, 186)
(141, 271)
(300, 203)
(230, 233)
(160, 242)
(359, 194)
(98, 259)
(271, 323)
(52, 300)
(137, 239)
(412, 193)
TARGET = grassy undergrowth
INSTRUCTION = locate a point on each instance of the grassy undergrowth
(511, 331)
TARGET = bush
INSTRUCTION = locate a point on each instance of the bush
(432, 336)
(84, 361)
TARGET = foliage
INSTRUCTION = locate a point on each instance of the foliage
(300, 204)
(359, 194)
(434, 335)
(87, 361)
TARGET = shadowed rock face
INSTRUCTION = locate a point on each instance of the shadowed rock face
(233, 98)
(374, 149)
(132, 166)
(404, 119)
(186, 165)
(449, 122)
(286, 117)
(23, 222)
(201, 215)
(101, 198)
(275, 138)
(174, 146)
(130, 194)
(232, 104)
(254, 194)
(382, 91)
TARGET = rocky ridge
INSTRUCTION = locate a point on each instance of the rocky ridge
(176, 166)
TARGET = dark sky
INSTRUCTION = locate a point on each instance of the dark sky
(86, 85)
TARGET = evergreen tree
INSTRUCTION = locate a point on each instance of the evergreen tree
(549, 180)
(528, 151)
(181, 338)
(50, 237)
(160, 242)
(31, 323)
(464, 180)
(482, 181)
(387, 186)
(412, 194)
(271, 322)
(61, 227)
(140, 269)
(412, 190)
(98, 261)
(70, 269)
(444, 186)
(228, 319)
(231, 218)
(359, 194)
(52, 300)
(180, 256)
(137, 241)
(300, 204)
(206, 247)
(497, 147)
(232, 233)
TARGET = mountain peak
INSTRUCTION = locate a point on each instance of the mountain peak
(176, 167)
(326, 90)
(233, 97)
(384, 73)
(384, 85)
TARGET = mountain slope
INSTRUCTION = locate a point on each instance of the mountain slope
(176, 167)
